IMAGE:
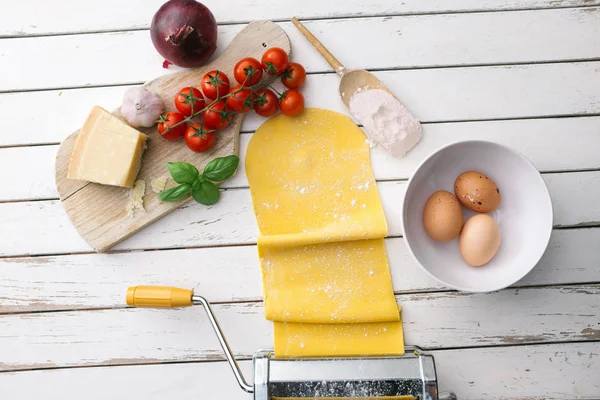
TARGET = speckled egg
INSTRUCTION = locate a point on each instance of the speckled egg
(479, 240)
(477, 191)
(442, 216)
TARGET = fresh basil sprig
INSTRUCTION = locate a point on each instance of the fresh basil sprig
(201, 186)
(205, 192)
(182, 172)
(220, 169)
(177, 193)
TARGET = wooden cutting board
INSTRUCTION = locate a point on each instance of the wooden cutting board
(98, 212)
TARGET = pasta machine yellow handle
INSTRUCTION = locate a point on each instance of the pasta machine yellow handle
(169, 297)
(158, 296)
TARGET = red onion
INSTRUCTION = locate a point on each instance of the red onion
(184, 32)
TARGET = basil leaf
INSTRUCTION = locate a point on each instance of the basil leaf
(183, 172)
(175, 194)
(206, 193)
(221, 168)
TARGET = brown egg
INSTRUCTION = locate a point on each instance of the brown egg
(477, 191)
(442, 216)
(479, 240)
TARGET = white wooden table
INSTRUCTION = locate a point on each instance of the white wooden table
(520, 72)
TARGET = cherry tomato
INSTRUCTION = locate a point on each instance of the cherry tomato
(247, 71)
(189, 100)
(218, 116)
(294, 76)
(241, 101)
(165, 123)
(265, 103)
(214, 84)
(275, 61)
(199, 138)
(291, 103)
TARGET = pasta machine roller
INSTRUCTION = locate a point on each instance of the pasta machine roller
(411, 376)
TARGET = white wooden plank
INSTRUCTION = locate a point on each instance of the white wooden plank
(578, 185)
(433, 320)
(454, 94)
(538, 139)
(28, 173)
(232, 274)
(412, 41)
(568, 370)
(36, 179)
(565, 371)
(137, 14)
(231, 221)
(52, 123)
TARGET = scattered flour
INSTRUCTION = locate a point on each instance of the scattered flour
(386, 120)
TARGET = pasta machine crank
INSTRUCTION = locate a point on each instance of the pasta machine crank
(411, 376)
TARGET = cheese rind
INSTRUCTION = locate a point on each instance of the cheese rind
(107, 151)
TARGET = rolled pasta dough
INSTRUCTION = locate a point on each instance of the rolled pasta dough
(326, 279)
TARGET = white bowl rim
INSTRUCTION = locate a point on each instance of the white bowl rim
(485, 143)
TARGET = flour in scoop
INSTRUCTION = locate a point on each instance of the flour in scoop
(386, 120)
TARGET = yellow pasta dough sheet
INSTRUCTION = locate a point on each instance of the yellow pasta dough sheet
(326, 278)
(314, 340)
(334, 282)
(312, 175)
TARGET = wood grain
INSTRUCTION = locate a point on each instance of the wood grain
(228, 274)
(525, 371)
(231, 221)
(36, 180)
(98, 212)
(432, 320)
(352, 80)
(410, 42)
(433, 95)
(137, 14)
(537, 372)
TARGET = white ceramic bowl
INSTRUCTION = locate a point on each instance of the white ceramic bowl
(524, 215)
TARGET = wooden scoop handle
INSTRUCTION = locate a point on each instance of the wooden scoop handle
(335, 64)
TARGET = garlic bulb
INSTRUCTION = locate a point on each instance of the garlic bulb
(141, 107)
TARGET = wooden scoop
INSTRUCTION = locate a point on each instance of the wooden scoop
(352, 79)
(397, 133)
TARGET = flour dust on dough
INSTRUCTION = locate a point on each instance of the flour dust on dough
(326, 278)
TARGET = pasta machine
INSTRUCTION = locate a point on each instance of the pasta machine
(411, 376)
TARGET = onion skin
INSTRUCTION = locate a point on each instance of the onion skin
(184, 32)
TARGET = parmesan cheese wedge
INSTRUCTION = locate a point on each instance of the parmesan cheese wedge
(107, 151)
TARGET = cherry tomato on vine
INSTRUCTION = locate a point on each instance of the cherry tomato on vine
(166, 123)
(248, 71)
(214, 84)
(265, 103)
(291, 103)
(294, 76)
(218, 116)
(275, 60)
(199, 138)
(242, 100)
(189, 100)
